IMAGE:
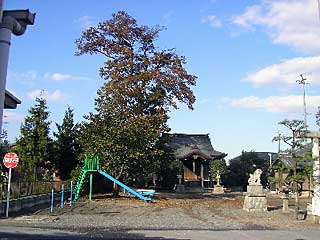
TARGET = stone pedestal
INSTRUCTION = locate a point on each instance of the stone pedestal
(255, 203)
(255, 200)
(218, 189)
(255, 190)
(180, 188)
(285, 204)
(316, 201)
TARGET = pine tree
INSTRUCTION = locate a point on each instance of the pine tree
(66, 146)
(34, 145)
(298, 174)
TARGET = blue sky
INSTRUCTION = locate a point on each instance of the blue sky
(247, 56)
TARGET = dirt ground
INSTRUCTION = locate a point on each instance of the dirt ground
(168, 211)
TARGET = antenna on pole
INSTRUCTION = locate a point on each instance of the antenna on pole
(303, 82)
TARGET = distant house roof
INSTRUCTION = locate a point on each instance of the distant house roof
(185, 145)
(10, 101)
(287, 159)
(261, 155)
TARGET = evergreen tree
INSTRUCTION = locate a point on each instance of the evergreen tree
(66, 146)
(240, 168)
(218, 167)
(142, 85)
(34, 145)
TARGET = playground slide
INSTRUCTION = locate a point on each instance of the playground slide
(130, 190)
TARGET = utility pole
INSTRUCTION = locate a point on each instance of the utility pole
(279, 160)
(278, 139)
(279, 144)
(12, 22)
(1, 9)
(303, 82)
(319, 9)
(1, 14)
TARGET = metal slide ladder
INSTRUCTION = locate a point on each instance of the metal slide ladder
(92, 165)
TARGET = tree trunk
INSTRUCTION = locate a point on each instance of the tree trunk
(297, 201)
(115, 191)
(34, 174)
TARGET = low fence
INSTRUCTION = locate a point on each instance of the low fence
(22, 189)
(26, 203)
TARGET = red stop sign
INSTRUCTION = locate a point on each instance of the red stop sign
(10, 160)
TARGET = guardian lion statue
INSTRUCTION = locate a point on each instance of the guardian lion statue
(254, 178)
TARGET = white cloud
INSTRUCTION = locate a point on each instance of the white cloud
(26, 78)
(276, 104)
(13, 117)
(55, 96)
(205, 100)
(291, 22)
(212, 20)
(63, 77)
(167, 17)
(251, 16)
(85, 21)
(287, 72)
(29, 75)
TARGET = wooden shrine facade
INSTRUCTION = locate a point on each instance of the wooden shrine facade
(195, 152)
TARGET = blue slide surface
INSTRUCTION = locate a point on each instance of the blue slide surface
(130, 190)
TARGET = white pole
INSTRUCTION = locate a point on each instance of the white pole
(304, 106)
(1, 9)
(316, 177)
(6, 30)
(5, 38)
(3, 68)
(52, 200)
(303, 82)
(8, 193)
(71, 194)
(62, 196)
(319, 8)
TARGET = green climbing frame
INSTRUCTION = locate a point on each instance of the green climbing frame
(91, 165)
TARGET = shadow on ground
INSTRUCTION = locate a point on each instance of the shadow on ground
(59, 236)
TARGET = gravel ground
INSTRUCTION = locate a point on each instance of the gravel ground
(167, 212)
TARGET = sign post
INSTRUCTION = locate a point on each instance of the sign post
(10, 161)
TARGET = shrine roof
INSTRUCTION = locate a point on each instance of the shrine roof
(185, 145)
